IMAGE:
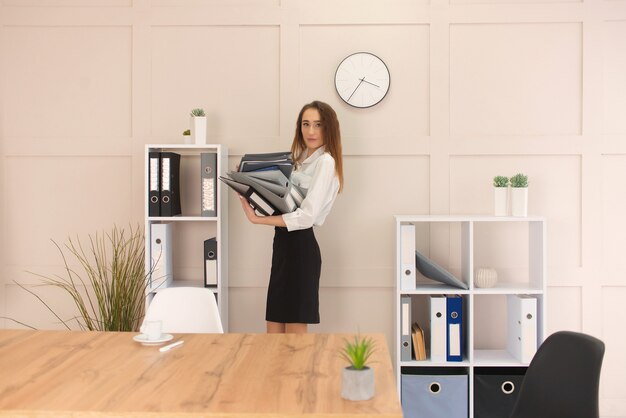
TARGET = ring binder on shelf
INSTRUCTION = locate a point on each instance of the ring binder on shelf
(210, 262)
(208, 189)
(154, 184)
(170, 184)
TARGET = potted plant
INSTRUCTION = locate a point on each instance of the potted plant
(198, 126)
(109, 292)
(501, 195)
(519, 195)
(357, 379)
(187, 136)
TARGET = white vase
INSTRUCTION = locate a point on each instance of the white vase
(198, 129)
(187, 139)
(501, 201)
(519, 201)
(485, 277)
(357, 385)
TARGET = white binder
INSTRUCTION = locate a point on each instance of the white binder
(161, 255)
(407, 255)
(522, 327)
(438, 340)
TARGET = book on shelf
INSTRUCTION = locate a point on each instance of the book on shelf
(267, 176)
(419, 346)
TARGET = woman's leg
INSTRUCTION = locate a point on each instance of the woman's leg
(296, 328)
(275, 327)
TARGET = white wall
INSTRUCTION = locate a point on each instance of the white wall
(479, 88)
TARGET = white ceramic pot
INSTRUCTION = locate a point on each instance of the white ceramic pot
(519, 201)
(357, 385)
(198, 129)
(187, 139)
(501, 201)
(485, 277)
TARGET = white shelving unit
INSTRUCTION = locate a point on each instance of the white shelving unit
(190, 229)
(467, 242)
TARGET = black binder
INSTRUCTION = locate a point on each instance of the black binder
(154, 183)
(210, 262)
(170, 184)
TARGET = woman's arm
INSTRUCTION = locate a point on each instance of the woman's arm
(276, 220)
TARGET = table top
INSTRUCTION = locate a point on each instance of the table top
(75, 373)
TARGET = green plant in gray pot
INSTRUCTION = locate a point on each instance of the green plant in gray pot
(519, 195)
(357, 379)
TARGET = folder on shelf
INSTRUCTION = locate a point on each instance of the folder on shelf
(208, 188)
(407, 255)
(405, 329)
(161, 255)
(431, 270)
(210, 262)
(419, 347)
(522, 327)
(262, 206)
(154, 183)
(438, 339)
(454, 328)
(170, 184)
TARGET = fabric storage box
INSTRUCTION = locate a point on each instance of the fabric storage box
(496, 390)
(434, 392)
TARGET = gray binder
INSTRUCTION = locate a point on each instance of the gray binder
(283, 202)
(405, 329)
(434, 271)
(208, 187)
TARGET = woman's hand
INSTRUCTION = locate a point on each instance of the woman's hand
(248, 210)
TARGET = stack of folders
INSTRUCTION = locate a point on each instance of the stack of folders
(446, 328)
(264, 180)
(164, 184)
(522, 327)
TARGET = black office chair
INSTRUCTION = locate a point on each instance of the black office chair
(562, 379)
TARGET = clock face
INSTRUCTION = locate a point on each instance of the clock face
(362, 79)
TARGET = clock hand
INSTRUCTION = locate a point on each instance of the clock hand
(363, 79)
(357, 86)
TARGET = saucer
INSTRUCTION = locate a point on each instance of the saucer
(143, 339)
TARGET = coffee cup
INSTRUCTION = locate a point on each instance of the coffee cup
(152, 330)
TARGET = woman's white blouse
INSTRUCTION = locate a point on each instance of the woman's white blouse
(317, 175)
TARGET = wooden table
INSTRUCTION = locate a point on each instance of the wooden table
(94, 374)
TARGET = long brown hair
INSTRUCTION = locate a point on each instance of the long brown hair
(332, 136)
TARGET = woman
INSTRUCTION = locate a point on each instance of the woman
(293, 293)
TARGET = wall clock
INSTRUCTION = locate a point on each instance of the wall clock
(362, 79)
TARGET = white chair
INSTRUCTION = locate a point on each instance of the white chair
(191, 310)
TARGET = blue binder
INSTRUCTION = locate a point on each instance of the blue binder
(454, 328)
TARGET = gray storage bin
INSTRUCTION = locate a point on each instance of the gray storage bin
(438, 394)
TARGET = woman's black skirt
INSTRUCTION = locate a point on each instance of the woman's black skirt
(293, 292)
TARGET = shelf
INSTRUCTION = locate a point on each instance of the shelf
(183, 219)
(514, 246)
(183, 236)
(495, 358)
